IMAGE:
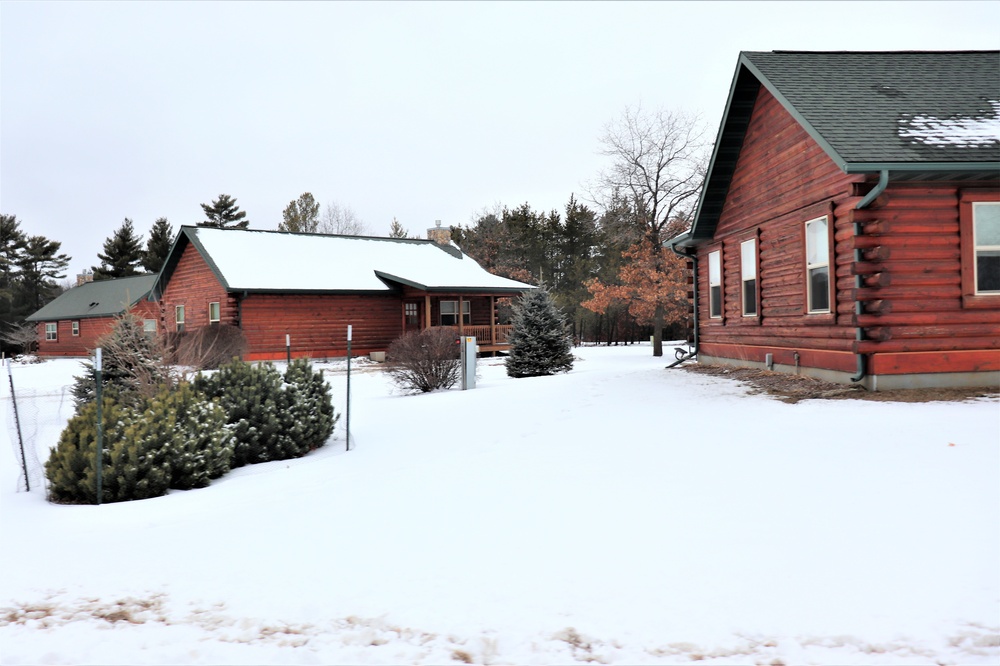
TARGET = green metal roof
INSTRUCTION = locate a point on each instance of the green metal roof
(916, 114)
(103, 298)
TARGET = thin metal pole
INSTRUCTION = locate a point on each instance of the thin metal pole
(100, 425)
(288, 348)
(17, 423)
(348, 387)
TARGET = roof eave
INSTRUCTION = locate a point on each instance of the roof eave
(964, 167)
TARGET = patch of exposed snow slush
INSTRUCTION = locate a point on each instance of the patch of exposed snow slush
(974, 131)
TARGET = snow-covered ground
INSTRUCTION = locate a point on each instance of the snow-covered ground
(621, 513)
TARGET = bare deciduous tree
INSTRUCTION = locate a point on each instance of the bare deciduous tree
(23, 335)
(658, 165)
(342, 220)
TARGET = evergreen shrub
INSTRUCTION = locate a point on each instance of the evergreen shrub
(424, 361)
(539, 340)
(133, 466)
(308, 408)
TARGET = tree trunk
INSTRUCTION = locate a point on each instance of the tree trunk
(658, 330)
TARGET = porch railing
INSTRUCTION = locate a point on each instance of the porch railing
(483, 334)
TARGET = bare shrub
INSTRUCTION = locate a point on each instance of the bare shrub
(209, 347)
(23, 335)
(425, 361)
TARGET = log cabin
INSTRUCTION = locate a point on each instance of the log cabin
(72, 323)
(849, 225)
(306, 289)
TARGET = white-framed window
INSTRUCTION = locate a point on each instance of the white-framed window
(75, 327)
(715, 284)
(51, 331)
(818, 265)
(214, 313)
(449, 313)
(986, 243)
(149, 326)
(748, 276)
(179, 318)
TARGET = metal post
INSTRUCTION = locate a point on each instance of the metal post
(288, 348)
(17, 424)
(100, 425)
(348, 387)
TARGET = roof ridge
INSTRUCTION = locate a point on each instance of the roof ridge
(314, 235)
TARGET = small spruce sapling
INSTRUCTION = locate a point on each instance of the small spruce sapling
(539, 340)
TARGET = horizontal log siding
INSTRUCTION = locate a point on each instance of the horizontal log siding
(318, 324)
(92, 329)
(782, 179)
(912, 295)
(194, 285)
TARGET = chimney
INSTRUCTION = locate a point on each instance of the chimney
(86, 276)
(439, 234)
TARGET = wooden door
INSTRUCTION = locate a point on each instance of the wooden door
(411, 316)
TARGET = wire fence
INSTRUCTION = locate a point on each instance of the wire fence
(35, 418)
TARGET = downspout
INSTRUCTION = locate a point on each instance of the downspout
(859, 332)
(694, 321)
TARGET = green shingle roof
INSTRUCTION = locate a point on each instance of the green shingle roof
(874, 108)
(104, 298)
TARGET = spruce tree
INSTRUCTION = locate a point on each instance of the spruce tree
(122, 254)
(396, 230)
(223, 213)
(539, 341)
(161, 238)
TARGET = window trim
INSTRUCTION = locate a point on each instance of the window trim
(810, 310)
(722, 294)
(75, 328)
(756, 278)
(218, 312)
(971, 298)
(466, 312)
(52, 331)
(179, 318)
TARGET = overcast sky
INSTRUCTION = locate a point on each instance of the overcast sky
(419, 111)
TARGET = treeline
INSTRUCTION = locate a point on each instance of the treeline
(574, 253)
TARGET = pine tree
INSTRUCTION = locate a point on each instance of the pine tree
(308, 412)
(223, 213)
(41, 265)
(161, 238)
(12, 245)
(122, 254)
(539, 343)
(301, 215)
(397, 230)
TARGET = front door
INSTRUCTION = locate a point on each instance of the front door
(411, 316)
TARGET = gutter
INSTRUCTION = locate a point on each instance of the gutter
(693, 256)
(859, 332)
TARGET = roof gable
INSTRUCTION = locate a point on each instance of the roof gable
(102, 298)
(273, 261)
(914, 113)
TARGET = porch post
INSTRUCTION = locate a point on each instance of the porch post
(493, 319)
(461, 317)
(427, 311)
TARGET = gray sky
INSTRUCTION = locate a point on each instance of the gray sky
(421, 111)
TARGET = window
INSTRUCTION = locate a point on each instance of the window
(986, 244)
(449, 313)
(715, 284)
(411, 314)
(817, 265)
(76, 329)
(52, 331)
(213, 313)
(149, 327)
(179, 318)
(748, 276)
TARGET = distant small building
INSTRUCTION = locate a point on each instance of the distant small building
(311, 287)
(849, 226)
(72, 323)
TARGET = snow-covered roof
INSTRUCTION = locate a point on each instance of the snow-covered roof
(250, 260)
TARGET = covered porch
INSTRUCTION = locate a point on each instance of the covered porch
(468, 314)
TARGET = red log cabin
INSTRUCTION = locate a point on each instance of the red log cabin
(73, 322)
(849, 227)
(311, 287)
